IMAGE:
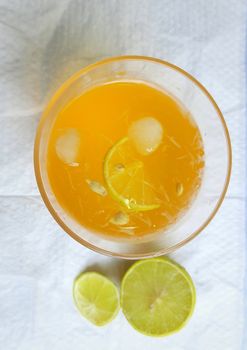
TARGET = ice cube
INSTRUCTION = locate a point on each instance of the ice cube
(67, 146)
(146, 135)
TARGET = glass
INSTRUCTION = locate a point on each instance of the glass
(215, 136)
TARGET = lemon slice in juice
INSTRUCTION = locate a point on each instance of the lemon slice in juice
(96, 297)
(157, 296)
(126, 180)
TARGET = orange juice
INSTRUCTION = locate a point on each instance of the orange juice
(125, 159)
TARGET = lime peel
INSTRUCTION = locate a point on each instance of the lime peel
(96, 298)
(157, 296)
(132, 170)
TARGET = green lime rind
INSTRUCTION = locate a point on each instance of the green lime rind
(132, 206)
(96, 298)
(128, 297)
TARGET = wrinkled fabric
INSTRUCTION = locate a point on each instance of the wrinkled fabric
(41, 44)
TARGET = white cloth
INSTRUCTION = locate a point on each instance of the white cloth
(41, 44)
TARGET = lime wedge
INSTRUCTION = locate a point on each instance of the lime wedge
(96, 297)
(157, 296)
(126, 180)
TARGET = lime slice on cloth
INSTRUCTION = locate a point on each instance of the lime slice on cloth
(126, 179)
(157, 296)
(96, 297)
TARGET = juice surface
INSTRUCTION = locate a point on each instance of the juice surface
(100, 118)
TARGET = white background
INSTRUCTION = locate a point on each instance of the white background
(41, 44)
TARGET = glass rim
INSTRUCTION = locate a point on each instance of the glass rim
(58, 93)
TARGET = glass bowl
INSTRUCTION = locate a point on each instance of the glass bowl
(216, 141)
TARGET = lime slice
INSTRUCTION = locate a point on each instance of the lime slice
(126, 179)
(96, 297)
(157, 296)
